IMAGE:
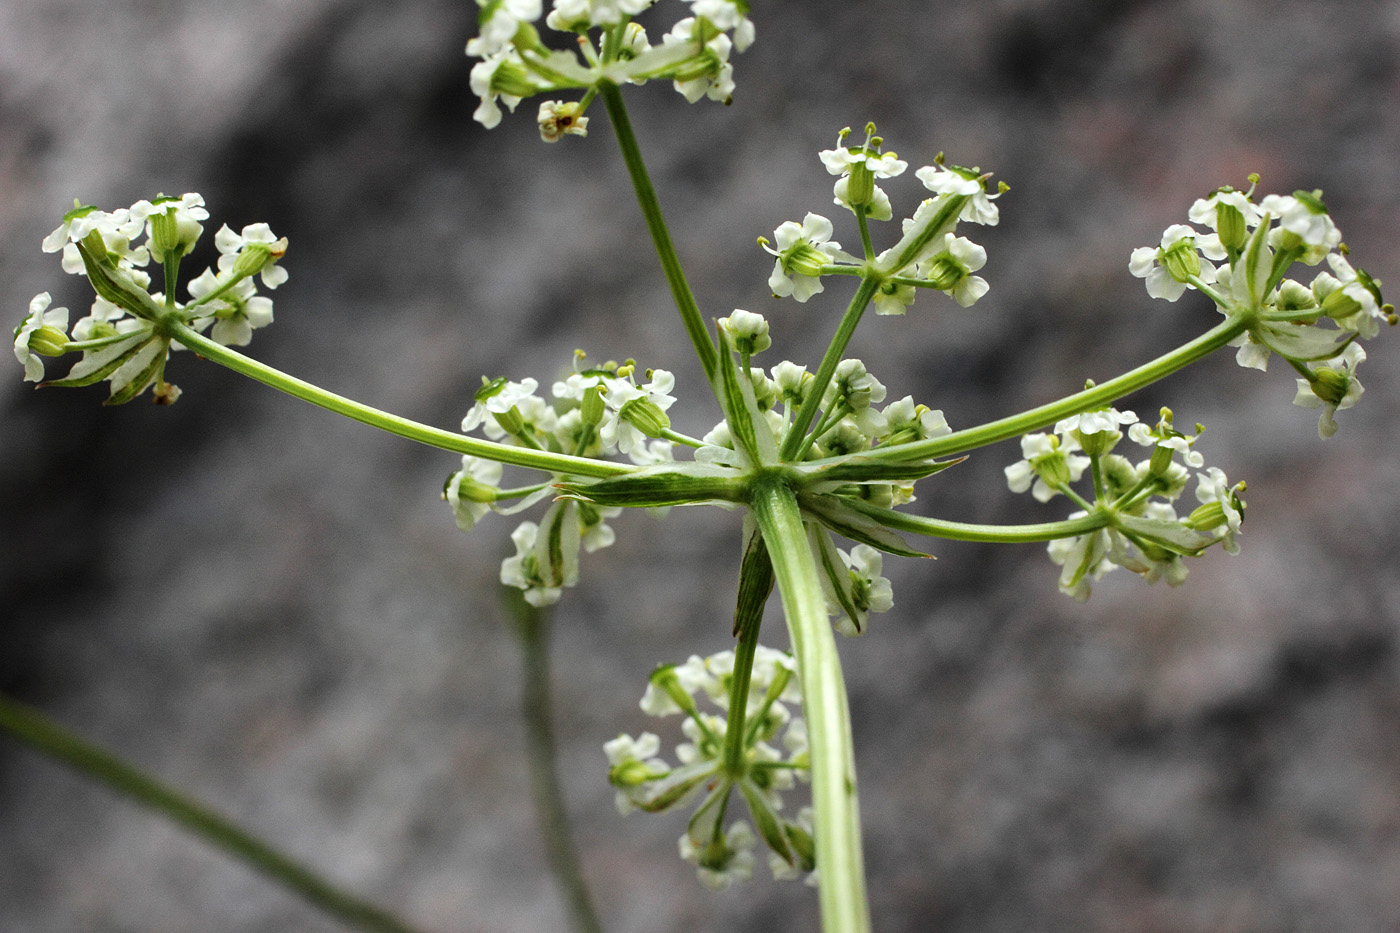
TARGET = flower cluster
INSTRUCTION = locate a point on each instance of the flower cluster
(516, 63)
(594, 412)
(124, 339)
(1133, 522)
(929, 255)
(733, 749)
(1242, 265)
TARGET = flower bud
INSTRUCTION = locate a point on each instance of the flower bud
(1330, 385)
(593, 408)
(48, 341)
(173, 233)
(254, 257)
(1181, 260)
(860, 187)
(945, 272)
(644, 415)
(805, 259)
(1339, 305)
(1230, 226)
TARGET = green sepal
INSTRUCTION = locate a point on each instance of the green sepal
(666, 484)
(556, 545)
(704, 825)
(860, 469)
(126, 386)
(832, 512)
(1172, 535)
(752, 437)
(770, 827)
(676, 786)
(755, 582)
(99, 364)
(111, 284)
(837, 574)
(1304, 344)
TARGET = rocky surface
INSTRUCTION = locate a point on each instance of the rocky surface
(272, 608)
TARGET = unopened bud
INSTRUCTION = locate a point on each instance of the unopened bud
(1230, 226)
(644, 415)
(48, 341)
(1330, 385)
(1181, 260)
(593, 407)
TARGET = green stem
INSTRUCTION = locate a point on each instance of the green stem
(33, 728)
(839, 855)
(403, 427)
(744, 651)
(966, 531)
(660, 237)
(1045, 415)
(532, 625)
(859, 302)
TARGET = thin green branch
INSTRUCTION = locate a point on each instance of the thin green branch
(842, 338)
(1089, 399)
(840, 861)
(965, 531)
(403, 427)
(660, 237)
(532, 625)
(34, 729)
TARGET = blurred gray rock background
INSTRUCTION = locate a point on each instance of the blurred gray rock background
(271, 608)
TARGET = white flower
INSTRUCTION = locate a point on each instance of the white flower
(1083, 559)
(117, 229)
(1219, 209)
(486, 85)
(950, 270)
(748, 331)
(870, 592)
(958, 181)
(1142, 433)
(906, 422)
(616, 430)
(716, 77)
(725, 861)
(1333, 388)
(803, 250)
(104, 320)
(499, 28)
(1220, 507)
(185, 212)
(497, 398)
(478, 476)
(631, 764)
(237, 312)
(1049, 462)
(558, 118)
(260, 247)
(43, 325)
(725, 14)
(1358, 291)
(522, 570)
(1166, 268)
(1306, 216)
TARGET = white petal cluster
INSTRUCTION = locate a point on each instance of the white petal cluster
(1140, 530)
(702, 690)
(514, 63)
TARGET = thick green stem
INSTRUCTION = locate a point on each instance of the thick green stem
(1091, 398)
(854, 311)
(532, 624)
(660, 237)
(403, 427)
(36, 730)
(840, 861)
